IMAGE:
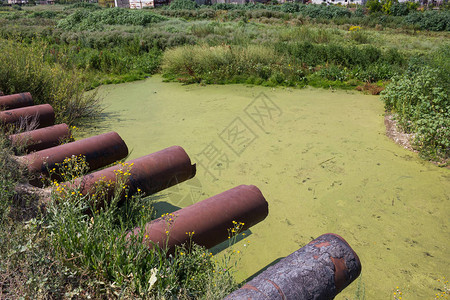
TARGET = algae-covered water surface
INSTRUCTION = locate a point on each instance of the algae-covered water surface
(322, 161)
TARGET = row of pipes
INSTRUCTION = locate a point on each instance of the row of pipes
(320, 270)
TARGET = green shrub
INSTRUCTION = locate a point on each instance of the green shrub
(412, 5)
(94, 20)
(97, 246)
(387, 5)
(421, 102)
(116, 64)
(182, 4)
(376, 72)
(374, 6)
(359, 12)
(259, 10)
(324, 12)
(439, 60)
(399, 9)
(333, 73)
(133, 43)
(47, 14)
(388, 13)
(290, 7)
(394, 57)
(430, 20)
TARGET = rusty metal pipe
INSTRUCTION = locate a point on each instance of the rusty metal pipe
(42, 114)
(16, 101)
(40, 139)
(99, 151)
(320, 270)
(150, 173)
(210, 219)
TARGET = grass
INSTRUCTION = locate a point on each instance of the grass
(65, 252)
(24, 69)
(222, 64)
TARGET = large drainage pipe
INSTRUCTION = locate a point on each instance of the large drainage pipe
(43, 115)
(16, 101)
(99, 151)
(209, 220)
(148, 174)
(40, 139)
(320, 270)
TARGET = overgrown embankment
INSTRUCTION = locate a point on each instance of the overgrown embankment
(288, 63)
(25, 68)
(420, 101)
(66, 252)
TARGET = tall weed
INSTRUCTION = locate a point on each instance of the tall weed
(97, 244)
(24, 70)
(77, 249)
(25, 266)
(430, 20)
(226, 63)
(96, 19)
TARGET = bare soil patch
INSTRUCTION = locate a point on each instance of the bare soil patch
(405, 139)
(394, 133)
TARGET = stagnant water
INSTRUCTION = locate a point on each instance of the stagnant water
(321, 159)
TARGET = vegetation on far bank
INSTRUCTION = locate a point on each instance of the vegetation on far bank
(390, 14)
(290, 44)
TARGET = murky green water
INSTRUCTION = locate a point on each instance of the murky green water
(320, 158)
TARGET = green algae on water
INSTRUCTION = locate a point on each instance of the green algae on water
(320, 158)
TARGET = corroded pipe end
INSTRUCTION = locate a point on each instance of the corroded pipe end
(210, 219)
(43, 115)
(40, 139)
(16, 101)
(160, 170)
(347, 265)
(320, 270)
